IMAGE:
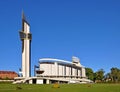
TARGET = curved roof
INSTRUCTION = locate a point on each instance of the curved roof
(56, 60)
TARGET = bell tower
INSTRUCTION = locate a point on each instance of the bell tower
(26, 38)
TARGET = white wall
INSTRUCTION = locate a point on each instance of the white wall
(73, 72)
(67, 71)
(79, 72)
(53, 69)
(83, 72)
(26, 53)
(39, 81)
(56, 68)
(59, 70)
(30, 82)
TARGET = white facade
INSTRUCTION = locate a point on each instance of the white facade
(39, 81)
(25, 54)
(61, 68)
(50, 70)
(25, 36)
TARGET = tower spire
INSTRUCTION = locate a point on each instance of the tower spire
(23, 16)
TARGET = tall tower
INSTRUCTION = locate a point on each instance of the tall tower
(26, 37)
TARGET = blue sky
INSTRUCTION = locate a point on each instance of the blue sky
(88, 29)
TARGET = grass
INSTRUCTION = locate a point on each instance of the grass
(63, 88)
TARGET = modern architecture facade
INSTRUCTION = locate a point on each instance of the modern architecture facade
(26, 37)
(49, 70)
(56, 70)
(61, 68)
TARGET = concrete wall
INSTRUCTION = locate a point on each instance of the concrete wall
(60, 70)
(83, 72)
(39, 81)
(26, 63)
(55, 69)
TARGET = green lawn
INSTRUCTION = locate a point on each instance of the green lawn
(63, 88)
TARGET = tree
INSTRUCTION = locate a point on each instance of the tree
(99, 75)
(89, 73)
(108, 77)
(115, 74)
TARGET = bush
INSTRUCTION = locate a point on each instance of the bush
(56, 85)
